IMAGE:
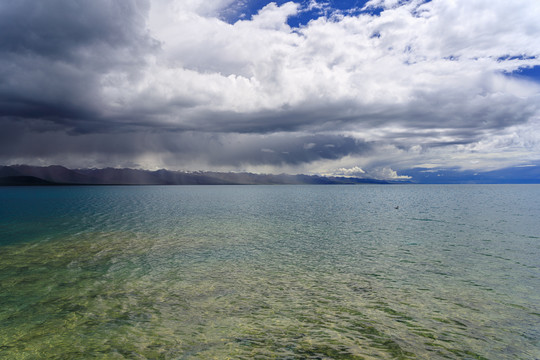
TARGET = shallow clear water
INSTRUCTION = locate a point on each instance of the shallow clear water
(266, 272)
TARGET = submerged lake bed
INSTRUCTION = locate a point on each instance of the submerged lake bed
(270, 272)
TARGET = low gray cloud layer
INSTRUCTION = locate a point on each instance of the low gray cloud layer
(168, 84)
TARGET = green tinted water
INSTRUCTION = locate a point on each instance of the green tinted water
(277, 272)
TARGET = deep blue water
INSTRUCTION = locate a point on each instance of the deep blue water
(288, 272)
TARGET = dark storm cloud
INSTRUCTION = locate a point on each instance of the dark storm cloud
(53, 55)
(62, 30)
(288, 149)
(234, 150)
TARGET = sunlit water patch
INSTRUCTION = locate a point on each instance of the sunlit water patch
(286, 272)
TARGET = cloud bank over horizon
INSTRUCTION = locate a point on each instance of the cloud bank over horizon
(370, 90)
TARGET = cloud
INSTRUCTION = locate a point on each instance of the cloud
(379, 173)
(352, 172)
(55, 58)
(174, 150)
(172, 83)
(387, 174)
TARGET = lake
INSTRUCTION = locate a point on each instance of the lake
(270, 272)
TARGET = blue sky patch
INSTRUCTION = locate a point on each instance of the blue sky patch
(521, 174)
(321, 8)
(531, 73)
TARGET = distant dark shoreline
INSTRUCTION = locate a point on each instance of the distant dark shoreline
(24, 175)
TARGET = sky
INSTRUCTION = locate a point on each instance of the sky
(385, 89)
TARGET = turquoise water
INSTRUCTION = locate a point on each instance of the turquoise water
(270, 272)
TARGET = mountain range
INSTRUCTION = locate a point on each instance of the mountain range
(17, 175)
